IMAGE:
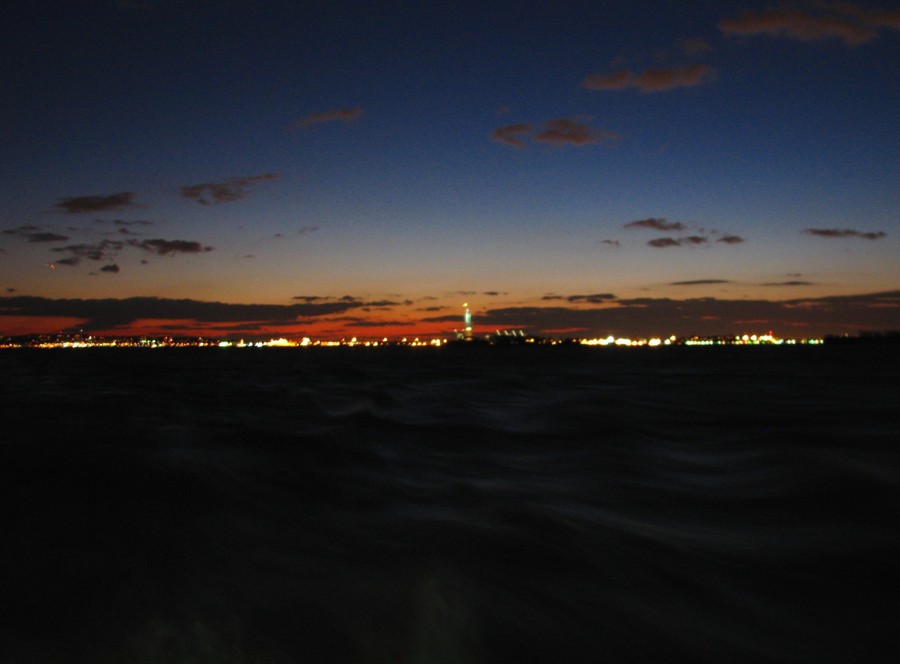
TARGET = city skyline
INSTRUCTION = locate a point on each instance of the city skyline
(363, 169)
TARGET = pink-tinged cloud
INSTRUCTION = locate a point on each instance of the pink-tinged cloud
(845, 232)
(81, 204)
(652, 80)
(837, 20)
(230, 190)
(510, 134)
(342, 115)
(656, 224)
(565, 131)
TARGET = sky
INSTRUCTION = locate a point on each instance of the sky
(336, 169)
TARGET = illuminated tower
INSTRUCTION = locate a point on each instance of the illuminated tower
(467, 320)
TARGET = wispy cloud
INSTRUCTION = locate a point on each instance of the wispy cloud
(341, 115)
(818, 21)
(82, 204)
(700, 282)
(107, 249)
(21, 230)
(789, 283)
(652, 80)
(694, 239)
(656, 224)
(112, 268)
(70, 261)
(661, 224)
(46, 237)
(510, 134)
(232, 189)
(124, 223)
(34, 234)
(663, 242)
(845, 232)
(103, 250)
(594, 298)
(611, 243)
(169, 247)
(560, 131)
(566, 131)
(731, 239)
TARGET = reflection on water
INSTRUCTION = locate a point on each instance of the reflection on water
(460, 505)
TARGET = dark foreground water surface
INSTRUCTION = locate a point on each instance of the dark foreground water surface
(449, 505)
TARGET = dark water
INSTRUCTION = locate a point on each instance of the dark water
(454, 505)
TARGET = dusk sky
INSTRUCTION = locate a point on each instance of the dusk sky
(337, 169)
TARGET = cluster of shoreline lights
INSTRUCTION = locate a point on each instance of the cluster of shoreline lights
(466, 335)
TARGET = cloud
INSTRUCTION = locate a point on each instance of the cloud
(81, 204)
(663, 242)
(657, 224)
(790, 283)
(168, 247)
(95, 252)
(509, 134)
(230, 190)
(731, 239)
(347, 299)
(652, 80)
(845, 232)
(378, 323)
(563, 131)
(595, 298)
(699, 282)
(21, 230)
(835, 20)
(693, 239)
(612, 243)
(706, 315)
(34, 234)
(110, 268)
(109, 314)
(307, 229)
(124, 223)
(343, 115)
(46, 237)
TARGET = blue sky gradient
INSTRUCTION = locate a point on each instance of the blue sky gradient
(423, 155)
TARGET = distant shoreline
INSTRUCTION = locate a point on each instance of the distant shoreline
(44, 341)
